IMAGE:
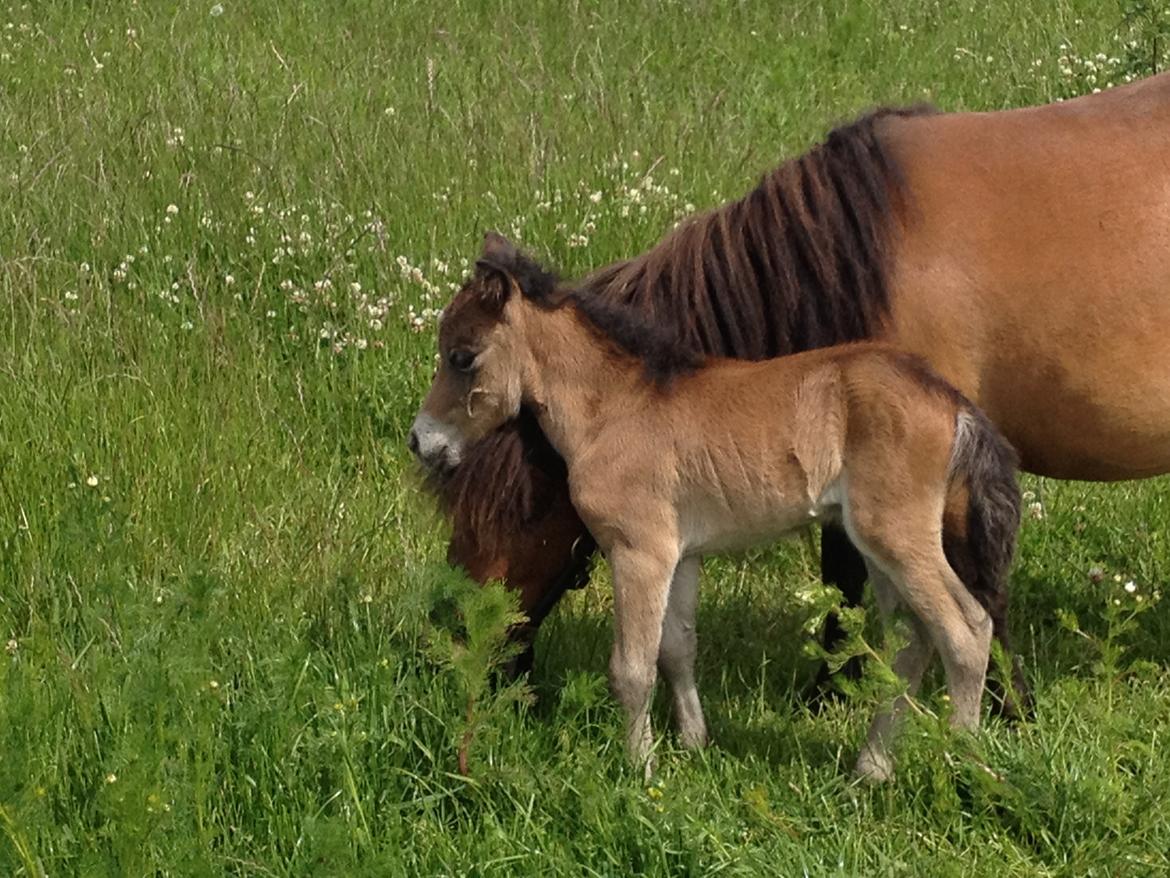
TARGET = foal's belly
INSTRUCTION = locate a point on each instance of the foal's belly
(709, 525)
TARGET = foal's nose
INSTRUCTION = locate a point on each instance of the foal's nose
(431, 442)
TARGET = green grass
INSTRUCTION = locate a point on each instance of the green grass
(217, 570)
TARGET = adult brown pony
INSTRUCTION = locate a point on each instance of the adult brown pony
(1025, 254)
(670, 457)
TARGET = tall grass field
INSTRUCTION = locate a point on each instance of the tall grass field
(231, 643)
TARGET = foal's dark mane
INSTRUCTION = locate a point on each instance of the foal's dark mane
(798, 263)
(657, 344)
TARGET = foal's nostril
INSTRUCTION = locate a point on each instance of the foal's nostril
(412, 442)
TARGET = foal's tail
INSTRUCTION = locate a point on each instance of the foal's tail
(979, 544)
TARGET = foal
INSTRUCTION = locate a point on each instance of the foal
(670, 458)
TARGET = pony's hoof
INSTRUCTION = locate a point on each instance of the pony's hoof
(819, 694)
(874, 767)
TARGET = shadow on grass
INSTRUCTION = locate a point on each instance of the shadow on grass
(752, 671)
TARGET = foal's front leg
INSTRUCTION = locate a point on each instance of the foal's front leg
(641, 584)
(676, 655)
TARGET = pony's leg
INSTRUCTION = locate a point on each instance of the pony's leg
(874, 762)
(842, 566)
(676, 654)
(641, 583)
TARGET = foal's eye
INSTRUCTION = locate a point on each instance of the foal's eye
(461, 360)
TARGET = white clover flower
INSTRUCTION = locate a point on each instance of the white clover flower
(595, 197)
(228, 280)
(172, 209)
(1130, 587)
(216, 10)
(111, 778)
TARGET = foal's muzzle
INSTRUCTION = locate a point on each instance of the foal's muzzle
(431, 442)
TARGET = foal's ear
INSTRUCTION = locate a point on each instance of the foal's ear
(498, 250)
(497, 263)
(501, 258)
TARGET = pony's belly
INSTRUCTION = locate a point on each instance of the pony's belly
(1040, 286)
(1083, 393)
(1100, 433)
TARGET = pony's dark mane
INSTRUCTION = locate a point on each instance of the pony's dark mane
(798, 263)
(515, 464)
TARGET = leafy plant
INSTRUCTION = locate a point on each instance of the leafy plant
(468, 636)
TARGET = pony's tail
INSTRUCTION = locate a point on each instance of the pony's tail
(980, 540)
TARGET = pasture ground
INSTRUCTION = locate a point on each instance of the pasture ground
(224, 232)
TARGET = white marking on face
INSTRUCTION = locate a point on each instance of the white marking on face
(435, 442)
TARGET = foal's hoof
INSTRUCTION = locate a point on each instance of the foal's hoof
(874, 767)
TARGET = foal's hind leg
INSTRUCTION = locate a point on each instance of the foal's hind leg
(956, 625)
(641, 583)
(961, 631)
(1012, 699)
(676, 655)
(874, 763)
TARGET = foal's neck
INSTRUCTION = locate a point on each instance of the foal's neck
(577, 377)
